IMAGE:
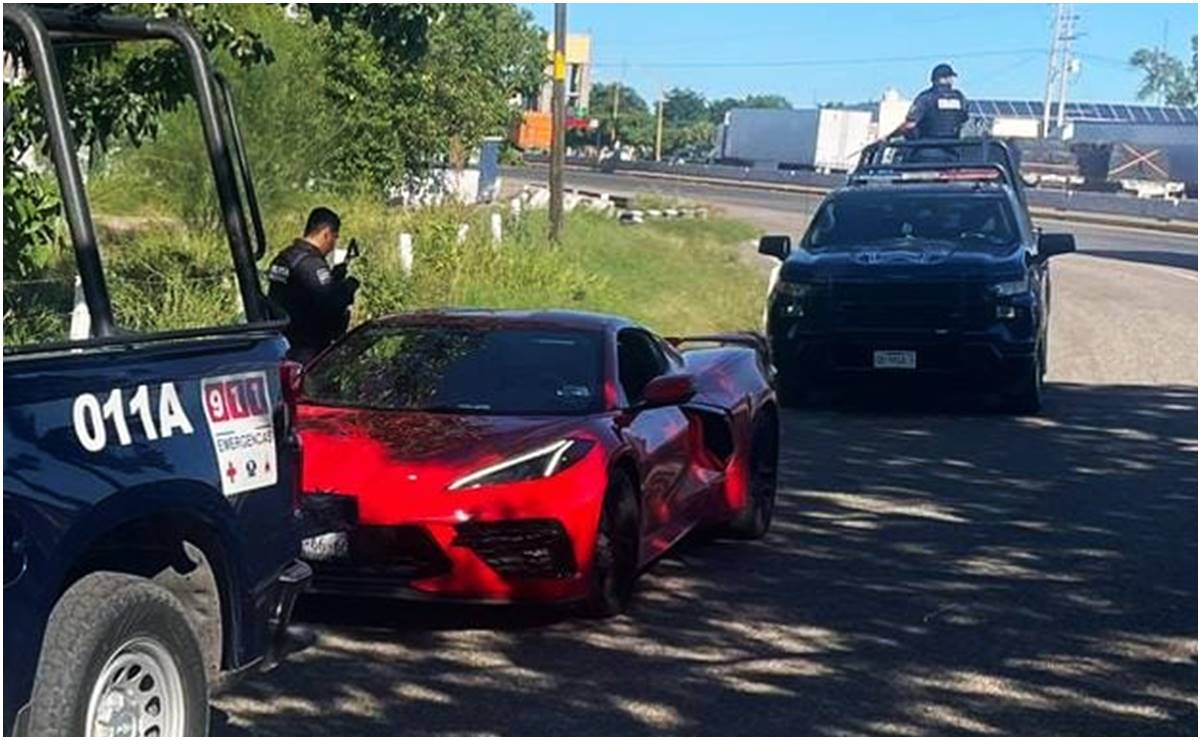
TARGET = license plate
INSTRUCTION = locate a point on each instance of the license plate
(894, 360)
(332, 546)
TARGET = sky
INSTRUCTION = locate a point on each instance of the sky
(851, 53)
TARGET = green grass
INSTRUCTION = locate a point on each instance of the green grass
(679, 276)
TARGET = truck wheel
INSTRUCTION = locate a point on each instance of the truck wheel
(754, 520)
(790, 387)
(615, 558)
(119, 658)
(1027, 395)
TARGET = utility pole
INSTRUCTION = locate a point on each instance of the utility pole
(1065, 66)
(1052, 57)
(558, 122)
(616, 103)
(1059, 66)
(659, 130)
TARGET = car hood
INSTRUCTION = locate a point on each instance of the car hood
(351, 449)
(919, 260)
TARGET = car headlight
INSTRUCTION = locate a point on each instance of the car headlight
(793, 290)
(1011, 288)
(540, 463)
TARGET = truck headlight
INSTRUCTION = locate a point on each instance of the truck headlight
(540, 463)
(1010, 288)
(791, 297)
(794, 291)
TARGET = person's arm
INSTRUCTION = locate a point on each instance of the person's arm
(917, 111)
(329, 297)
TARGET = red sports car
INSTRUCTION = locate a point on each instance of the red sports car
(531, 456)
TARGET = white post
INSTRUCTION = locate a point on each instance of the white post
(496, 229)
(405, 251)
(462, 235)
(81, 320)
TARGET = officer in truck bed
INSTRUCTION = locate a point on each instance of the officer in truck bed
(939, 111)
(317, 298)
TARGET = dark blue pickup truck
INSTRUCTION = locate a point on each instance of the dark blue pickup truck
(151, 523)
(926, 265)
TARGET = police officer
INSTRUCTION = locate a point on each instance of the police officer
(316, 298)
(939, 111)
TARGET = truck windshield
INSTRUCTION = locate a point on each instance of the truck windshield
(898, 220)
(462, 370)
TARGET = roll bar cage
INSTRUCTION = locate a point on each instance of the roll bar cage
(44, 28)
(883, 157)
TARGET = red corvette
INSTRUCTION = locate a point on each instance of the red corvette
(531, 456)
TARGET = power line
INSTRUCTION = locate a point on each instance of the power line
(823, 62)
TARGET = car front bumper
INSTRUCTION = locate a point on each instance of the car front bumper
(523, 542)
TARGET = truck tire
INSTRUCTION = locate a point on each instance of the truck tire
(791, 388)
(1026, 396)
(119, 657)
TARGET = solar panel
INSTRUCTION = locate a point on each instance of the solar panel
(1088, 112)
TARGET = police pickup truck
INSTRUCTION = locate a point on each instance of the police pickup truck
(924, 265)
(150, 481)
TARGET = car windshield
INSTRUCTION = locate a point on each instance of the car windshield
(896, 220)
(462, 370)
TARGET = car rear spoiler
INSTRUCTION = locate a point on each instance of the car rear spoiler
(748, 339)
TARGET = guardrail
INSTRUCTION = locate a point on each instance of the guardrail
(1180, 215)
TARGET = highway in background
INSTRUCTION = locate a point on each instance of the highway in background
(932, 569)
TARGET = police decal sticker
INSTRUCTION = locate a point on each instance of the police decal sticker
(238, 411)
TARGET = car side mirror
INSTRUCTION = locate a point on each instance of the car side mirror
(669, 390)
(775, 246)
(1050, 245)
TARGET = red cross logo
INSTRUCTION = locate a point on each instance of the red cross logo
(231, 472)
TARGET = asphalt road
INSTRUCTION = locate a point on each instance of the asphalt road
(932, 570)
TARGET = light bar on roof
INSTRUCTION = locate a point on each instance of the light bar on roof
(950, 175)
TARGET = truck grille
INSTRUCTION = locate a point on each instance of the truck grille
(528, 548)
(903, 305)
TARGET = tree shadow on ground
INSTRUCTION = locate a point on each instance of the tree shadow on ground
(928, 573)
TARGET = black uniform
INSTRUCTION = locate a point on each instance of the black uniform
(316, 298)
(938, 113)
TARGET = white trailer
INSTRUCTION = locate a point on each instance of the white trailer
(819, 139)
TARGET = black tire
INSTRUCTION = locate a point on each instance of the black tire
(754, 520)
(96, 622)
(1026, 396)
(615, 554)
(791, 388)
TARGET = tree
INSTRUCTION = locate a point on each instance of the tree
(415, 83)
(1165, 77)
(683, 107)
(635, 123)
